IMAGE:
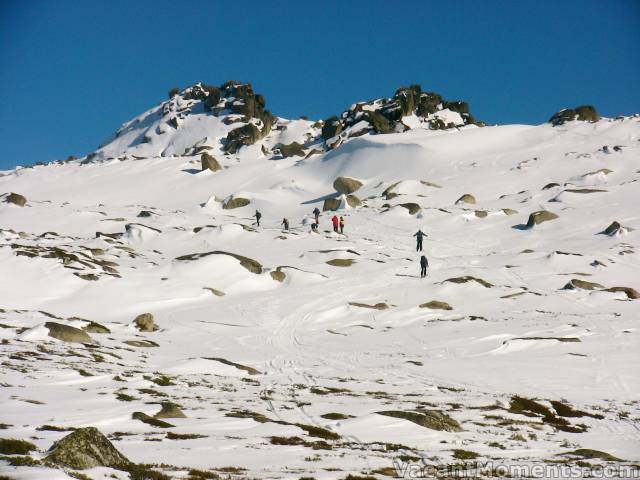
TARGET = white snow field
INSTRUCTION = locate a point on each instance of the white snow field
(285, 376)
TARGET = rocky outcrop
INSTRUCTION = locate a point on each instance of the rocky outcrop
(385, 115)
(466, 198)
(632, 294)
(433, 419)
(145, 323)
(413, 208)
(353, 201)
(293, 149)
(437, 305)
(248, 263)
(331, 204)
(209, 162)
(346, 185)
(584, 113)
(467, 279)
(154, 422)
(541, 216)
(86, 448)
(615, 229)
(377, 306)
(170, 410)
(67, 333)
(16, 199)
(576, 283)
(235, 202)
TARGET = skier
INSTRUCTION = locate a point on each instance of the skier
(285, 223)
(342, 225)
(316, 214)
(335, 222)
(419, 234)
(258, 216)
(424, 263)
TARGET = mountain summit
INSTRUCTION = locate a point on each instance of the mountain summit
(222, 120)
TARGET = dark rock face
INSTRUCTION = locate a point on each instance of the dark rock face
(584, 113)
(385, 115)
(332, 127)
(86, 448)
(67, 333)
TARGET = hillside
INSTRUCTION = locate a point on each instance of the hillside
(300, 354)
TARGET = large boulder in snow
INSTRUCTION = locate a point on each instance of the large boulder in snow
(539, 217)
(235, 202)
(585, 113)
(331, 204)
(412, 207)
(291, 150)
(209, 162)
(170, 410)
(145, 323)
(16, 199)
(238, 138)
(346, 185)
(67, 333)
(615, 229)
(86, 448)
(353, 201)
(466, 198)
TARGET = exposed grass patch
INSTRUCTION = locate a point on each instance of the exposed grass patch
(318, 432)
(12, 446)
(184, 436)
(144, 472)
(202, 475)
(123, 397)
(295, 441)
(54, 428)
(589, 453)
(464, 454)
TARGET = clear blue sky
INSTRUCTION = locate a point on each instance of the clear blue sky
(72, 72)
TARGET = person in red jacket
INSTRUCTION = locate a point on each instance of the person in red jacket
(336, 223)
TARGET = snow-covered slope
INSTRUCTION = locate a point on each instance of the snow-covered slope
(283, 364)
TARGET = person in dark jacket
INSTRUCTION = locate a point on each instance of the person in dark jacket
(419, 234)
(258, 216)
(285, 224)
(342, 224)
(424, 263)
(316, 214)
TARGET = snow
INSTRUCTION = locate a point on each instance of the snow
(296, 350)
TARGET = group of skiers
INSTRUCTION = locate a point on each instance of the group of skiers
(338, 227)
